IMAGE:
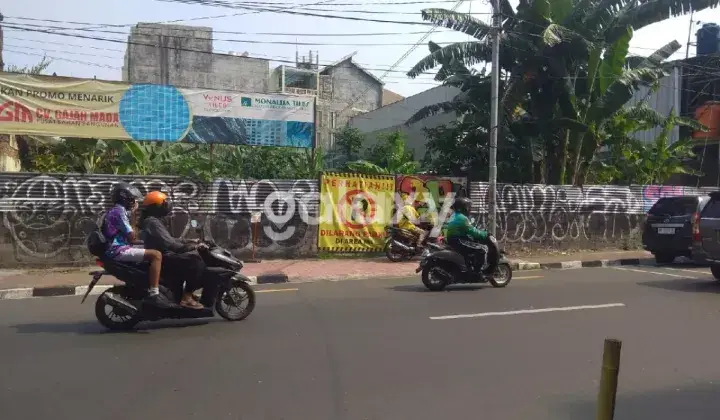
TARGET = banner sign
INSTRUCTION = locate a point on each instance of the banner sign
(354, 210)
(431, 191)
(68, 107)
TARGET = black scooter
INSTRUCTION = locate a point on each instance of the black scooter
(444, 267)
(235, 299)
(400, 243)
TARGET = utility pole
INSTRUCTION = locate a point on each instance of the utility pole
(495, 88)
(690, 25)
(2, 63)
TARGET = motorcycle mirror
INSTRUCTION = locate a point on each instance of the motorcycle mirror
(194, 223)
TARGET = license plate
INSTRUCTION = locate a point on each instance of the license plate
(666, 231)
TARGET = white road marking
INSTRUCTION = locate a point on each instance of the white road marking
(688, 270)
(530, 311)
(654, 272)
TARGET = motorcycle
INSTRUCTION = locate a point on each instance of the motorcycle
(400, 245)
(125, 301)
(444, 267)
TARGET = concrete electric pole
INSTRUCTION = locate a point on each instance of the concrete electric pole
(494, 86)
(2, 63)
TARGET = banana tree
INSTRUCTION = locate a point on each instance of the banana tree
(629, 161)
(395, 157)
(551, 51)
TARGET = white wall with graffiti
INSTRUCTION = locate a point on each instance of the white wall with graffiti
(565, 217)
(46, 218)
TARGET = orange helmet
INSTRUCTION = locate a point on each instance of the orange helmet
(154, 198)
(156, 204)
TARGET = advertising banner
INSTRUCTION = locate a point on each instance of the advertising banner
(88, 108)
(354, 210)
(431, 191)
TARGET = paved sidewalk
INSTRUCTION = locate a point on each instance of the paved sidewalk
(58, 282)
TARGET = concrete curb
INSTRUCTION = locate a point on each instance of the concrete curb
(277, 278)
(64, 290)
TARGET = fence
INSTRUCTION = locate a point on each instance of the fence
(46, 218)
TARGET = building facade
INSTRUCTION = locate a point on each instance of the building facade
(183, 56)
(394, 116)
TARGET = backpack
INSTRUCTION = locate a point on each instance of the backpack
(97, 243)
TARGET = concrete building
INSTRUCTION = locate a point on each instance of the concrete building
(183, 56)
(393, 117)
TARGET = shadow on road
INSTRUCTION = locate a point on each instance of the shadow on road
(422, 289)
(694, 402)
(93, 328)
(685, 285)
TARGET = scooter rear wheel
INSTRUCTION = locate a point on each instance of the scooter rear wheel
(123, 320)
(435, 278)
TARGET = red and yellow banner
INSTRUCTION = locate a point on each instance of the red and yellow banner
(354, 210)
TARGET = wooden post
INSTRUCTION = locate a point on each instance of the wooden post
(609, 379)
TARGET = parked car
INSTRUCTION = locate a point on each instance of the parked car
(669, 227)
(706, 235)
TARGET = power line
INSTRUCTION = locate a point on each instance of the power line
(49, 29)
(297, 13)
(219, 31)
(208, 52)
(94, 64)
(400, 60)
(252, 54)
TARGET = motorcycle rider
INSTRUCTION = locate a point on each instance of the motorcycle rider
(117, 227)
(180, 259)
(407, 217)
(462, 235)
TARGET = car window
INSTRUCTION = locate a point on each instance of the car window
(712, 209)
(674, 206)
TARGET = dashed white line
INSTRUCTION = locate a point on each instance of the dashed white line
(529, 311)
(654, 272)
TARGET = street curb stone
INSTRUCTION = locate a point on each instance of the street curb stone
(276, 278)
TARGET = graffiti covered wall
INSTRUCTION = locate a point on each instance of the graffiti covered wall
(563, 217)
(46, 218)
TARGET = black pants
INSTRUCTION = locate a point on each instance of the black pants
(473, 252)
(187, 267)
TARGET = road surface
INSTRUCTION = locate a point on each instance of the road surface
(382, 349)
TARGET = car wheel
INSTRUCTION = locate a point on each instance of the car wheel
(715, 270)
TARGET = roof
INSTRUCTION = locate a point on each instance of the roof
(390, 97)
(361, 68)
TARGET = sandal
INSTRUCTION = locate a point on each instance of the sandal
(191, 304)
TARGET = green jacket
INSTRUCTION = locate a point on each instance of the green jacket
(460, 226)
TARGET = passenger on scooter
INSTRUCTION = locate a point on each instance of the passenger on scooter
(462, 235)
(117, 228)
(180, 259)
(408, 218)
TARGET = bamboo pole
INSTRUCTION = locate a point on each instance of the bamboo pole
(609, 379)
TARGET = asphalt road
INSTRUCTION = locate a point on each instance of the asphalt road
(358, 350)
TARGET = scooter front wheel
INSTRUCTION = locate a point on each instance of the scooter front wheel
(237, 302)
(502, 275)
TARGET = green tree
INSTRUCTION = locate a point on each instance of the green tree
(388, 156)
(349, 142)
(565, 65)
(629, 161)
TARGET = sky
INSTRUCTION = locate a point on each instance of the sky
(82, 57)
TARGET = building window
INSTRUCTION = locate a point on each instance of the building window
(333, 120)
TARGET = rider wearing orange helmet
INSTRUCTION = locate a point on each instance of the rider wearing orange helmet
(180, 260)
